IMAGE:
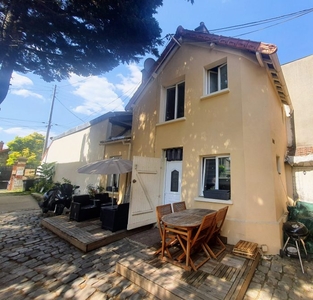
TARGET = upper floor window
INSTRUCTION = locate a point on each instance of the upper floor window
(217, 79)
(216, 177)
(175, 102)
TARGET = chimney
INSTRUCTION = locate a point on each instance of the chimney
(146, 72)
(1, 145)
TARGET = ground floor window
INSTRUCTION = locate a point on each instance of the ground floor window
(216, 177)
(113, 181)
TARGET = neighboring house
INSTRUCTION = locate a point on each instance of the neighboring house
(209, 128)
(299, 79)
(104, 137)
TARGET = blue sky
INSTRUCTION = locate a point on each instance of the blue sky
(78, 100)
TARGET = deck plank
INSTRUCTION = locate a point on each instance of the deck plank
(87, 235)
(226, 278)
(216, 280)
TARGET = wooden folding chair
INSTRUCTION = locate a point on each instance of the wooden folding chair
(179, 206)
(198, 239)
(220, 218)
(161, 211)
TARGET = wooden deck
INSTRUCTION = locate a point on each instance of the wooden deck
(223, 279)
(87, 235)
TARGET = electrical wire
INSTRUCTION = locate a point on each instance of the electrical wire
(123, 97)
(285, 18)
(69, 110)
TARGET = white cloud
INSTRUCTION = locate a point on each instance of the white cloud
(130, 83)
(19, 85)
(26, 93)
(19, 81)
(102, 96)
(20, 131)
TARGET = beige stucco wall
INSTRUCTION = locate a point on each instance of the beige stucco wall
(299, 78)
(247, 123)
(76, 149)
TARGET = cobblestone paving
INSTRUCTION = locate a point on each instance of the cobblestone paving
(279, 278)
(36, 264)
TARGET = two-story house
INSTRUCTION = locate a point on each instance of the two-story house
(209, 128)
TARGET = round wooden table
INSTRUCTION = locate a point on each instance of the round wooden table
(186, 218)
(183, 223)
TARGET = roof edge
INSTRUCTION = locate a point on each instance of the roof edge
(241, 44)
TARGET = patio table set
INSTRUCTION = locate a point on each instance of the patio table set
(186, 232)
(113, 216)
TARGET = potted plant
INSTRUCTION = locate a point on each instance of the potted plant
(93, 190)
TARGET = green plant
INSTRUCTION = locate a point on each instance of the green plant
(93, 190)
(65, 180)
(44, 182)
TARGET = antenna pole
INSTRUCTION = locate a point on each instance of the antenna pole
(49, 123)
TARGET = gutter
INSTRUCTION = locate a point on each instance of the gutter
(124, 140)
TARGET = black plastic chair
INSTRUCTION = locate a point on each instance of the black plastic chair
(83, 208)
(114, 217)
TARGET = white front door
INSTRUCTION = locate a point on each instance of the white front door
(173, 177)
(145, 191)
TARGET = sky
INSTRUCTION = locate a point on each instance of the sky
(28, 105)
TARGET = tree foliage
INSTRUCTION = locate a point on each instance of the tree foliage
(30, 147)
(54, 38)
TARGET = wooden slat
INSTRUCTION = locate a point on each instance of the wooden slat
(216, 280)
(246, 249)
(227, 277)
(87, 235)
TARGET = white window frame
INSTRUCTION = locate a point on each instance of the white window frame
(219, 81)
(216, 170)
(176, 101)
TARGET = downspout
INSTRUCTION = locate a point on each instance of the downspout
(129, 148)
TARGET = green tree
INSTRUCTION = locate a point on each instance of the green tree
(58, 37)
(29, 146)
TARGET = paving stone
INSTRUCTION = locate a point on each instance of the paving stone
(104, 287)
(38, 277)
(69, 278)
(49, 296)
(98, 296)
(124, 283)
(114, 291)
(85, 293)
(126, 293)
(136, 296)
(69, 294)
(279, 294)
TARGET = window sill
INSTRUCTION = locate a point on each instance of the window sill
(210, 200)
(172, 121)
(218, 93)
